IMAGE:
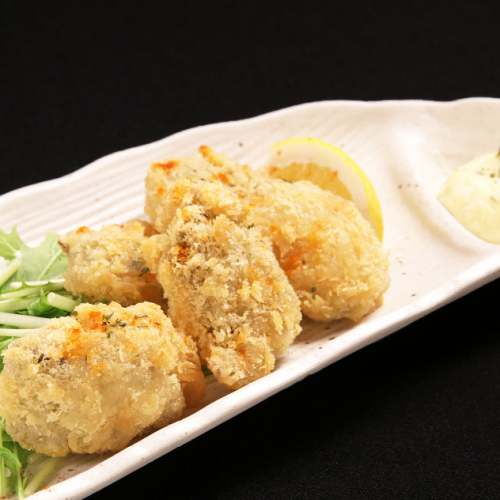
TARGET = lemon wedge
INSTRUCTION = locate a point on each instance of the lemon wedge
(307, 159)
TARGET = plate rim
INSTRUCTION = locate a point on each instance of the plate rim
(355, 103)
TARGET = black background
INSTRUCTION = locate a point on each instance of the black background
(413, 416)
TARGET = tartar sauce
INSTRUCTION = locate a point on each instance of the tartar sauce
(471, 194)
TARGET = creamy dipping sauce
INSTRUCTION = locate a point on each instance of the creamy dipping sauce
(471, 194)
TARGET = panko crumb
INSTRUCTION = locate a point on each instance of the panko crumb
(327, 249)
(92, 382)
(223, 283)
(206, 165)
(108, 264)
(329, 252)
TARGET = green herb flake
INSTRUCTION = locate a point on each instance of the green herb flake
(314, 297)
(314, 289)
(108, 316)
(251, 225)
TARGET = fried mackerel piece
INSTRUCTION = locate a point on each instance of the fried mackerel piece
(108, 264)
(207, 165)
(333, 259)
(92, 382)
(223, 283)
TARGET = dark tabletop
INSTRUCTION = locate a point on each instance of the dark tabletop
(415, 416)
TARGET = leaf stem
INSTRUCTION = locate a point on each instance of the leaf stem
(3, 488)
(61, 302)
(50, 287)
(11, 332)
(22, 321)
(47, 267)
(10, 306)
(42, 475)
(35, 457)
(19, 473)
(9, 271)
(19, 284)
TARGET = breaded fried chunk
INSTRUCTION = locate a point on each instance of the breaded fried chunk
(108, 264)
(92, 382)
(329, 252)
(207, 165)
(223, 283)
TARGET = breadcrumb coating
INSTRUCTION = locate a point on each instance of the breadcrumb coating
(206, 165)
(223, 283)
(92, 382)
(108, 264)
(329, 252)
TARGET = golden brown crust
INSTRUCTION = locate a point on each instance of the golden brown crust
(206, 165)
(92, 382)
(329, 252)
(108, 264)
(327, 249)
(224, 285)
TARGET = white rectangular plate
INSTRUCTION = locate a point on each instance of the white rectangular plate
(407, 148)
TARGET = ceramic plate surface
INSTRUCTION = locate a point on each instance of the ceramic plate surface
(407, 148)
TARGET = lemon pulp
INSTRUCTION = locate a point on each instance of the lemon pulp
(330, 168)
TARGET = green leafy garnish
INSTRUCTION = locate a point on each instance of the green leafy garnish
(27, 304)
(45, 261)
(10, 244)
(7, 454)
(43, 309)
(14, 458)
(209, 376)
(206, 370)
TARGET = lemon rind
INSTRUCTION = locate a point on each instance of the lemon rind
(363, 193)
